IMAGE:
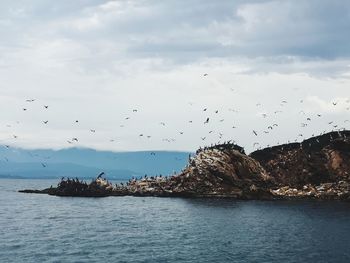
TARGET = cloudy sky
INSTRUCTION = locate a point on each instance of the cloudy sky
(251, 64)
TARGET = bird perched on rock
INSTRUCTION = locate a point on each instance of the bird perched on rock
(100, 175)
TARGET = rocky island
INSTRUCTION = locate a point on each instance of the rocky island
(317, 168)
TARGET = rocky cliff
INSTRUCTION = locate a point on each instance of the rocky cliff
(317, 168)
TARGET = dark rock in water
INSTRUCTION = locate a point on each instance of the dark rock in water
(317, 168)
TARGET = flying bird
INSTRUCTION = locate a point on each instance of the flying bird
(92, 130)
(207, 121)
(46, 106)
(256, 134)
(45, 122)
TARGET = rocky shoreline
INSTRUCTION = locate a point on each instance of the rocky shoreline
(317, 168)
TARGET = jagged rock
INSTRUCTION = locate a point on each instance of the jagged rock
(317, 168)
(317, 160)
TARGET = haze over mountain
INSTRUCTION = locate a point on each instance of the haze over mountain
(87, 163)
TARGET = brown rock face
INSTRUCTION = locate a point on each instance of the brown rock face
(223, 172)
(317, 168)
(317, 160)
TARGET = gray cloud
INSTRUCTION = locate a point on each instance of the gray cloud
(90, 59)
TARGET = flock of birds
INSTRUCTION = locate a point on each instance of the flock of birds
(308, 119)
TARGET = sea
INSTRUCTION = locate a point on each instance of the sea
(42, 228)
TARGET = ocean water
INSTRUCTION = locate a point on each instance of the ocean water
(42, 228)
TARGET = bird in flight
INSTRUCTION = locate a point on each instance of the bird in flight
(206, 74)
(30, 100)
(203, 138)
(206, 121)
(256, 134)
(43, 165)
(75, 139)
(162, 123)
(46, 106)
(92, 130)
(45, 122)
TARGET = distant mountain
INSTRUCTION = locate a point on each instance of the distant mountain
(82, 162)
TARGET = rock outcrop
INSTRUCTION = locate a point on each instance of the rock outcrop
(317, 168)
(317, 160)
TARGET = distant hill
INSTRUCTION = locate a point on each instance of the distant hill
(82, 162)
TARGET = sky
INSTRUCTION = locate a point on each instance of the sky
(146, 75)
